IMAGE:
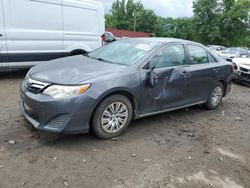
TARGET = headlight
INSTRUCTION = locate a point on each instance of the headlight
(27, 75)
(59, 91)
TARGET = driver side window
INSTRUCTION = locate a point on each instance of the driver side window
(170, 56)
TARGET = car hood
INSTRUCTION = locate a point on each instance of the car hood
(72, 70)
(227, 55)
(242, 62)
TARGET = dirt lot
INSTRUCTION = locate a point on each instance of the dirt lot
(187, 148)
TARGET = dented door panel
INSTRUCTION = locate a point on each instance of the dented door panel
(170, 92)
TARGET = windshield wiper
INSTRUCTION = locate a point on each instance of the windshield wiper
(104, 60)
(101, 59)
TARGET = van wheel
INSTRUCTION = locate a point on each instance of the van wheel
(215, 97)
(112, 117)
(77, 52)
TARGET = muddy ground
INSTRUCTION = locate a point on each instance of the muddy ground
(187, 148)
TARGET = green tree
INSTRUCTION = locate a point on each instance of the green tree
(130, 15)
(223, 22)
(177, 28)
(206, 21)
(234, 22)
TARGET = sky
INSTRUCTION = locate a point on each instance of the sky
(164, 8)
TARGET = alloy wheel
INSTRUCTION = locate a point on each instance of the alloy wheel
(216, 96)
(114, 117)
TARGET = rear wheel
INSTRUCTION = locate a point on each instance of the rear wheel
(112, 117)
(215, 97)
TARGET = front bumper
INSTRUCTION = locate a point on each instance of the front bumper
(68, 115)
(241, 76)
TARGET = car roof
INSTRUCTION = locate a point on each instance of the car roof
(162, 40)
(215, 46)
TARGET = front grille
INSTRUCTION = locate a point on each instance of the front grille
(36, 86)
(244, 70)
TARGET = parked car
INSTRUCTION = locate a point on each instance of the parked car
(216, 48)
(242, 69)
(125, 80)
(234, 52)
(34, 31)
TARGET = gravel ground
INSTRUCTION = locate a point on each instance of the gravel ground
(187, 148)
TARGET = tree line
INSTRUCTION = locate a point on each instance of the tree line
(221, 22)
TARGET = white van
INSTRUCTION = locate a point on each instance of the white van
(33, 31)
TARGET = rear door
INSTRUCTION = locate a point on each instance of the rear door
(34, 29)
(171, 70)
(203, 73)
(3, 51)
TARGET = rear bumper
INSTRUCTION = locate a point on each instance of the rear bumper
(69, 115)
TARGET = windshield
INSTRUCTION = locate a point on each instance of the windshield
(213, 47)
(234, 50)
(126, 51)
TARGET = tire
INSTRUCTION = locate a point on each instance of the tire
(216, 93)
(108, 123)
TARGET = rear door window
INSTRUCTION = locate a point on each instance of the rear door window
(197, 55)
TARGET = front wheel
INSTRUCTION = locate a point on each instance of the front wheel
(112, 117)
(215, 97)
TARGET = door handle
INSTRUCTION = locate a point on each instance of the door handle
(216, 70)
(1, 34)
(184, 73)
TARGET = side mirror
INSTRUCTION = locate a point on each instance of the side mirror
(152, 78)
(110, 39)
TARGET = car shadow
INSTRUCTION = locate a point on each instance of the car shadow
(242, 83)
(139, 129)
(13, 73)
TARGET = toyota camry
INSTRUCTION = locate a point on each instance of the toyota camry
(125, 80)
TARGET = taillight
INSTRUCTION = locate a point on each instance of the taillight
(103, 39)
(233, 66)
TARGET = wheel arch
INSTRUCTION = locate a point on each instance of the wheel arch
(224, 83)
(78, 52)
(123, 92)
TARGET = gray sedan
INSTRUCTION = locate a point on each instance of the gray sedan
(125, 80)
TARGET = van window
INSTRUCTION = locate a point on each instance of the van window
(79, 19)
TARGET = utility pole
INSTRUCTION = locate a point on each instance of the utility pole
(135, 15)
(137, 6)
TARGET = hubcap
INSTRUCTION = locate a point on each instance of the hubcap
(114, 117)
(216, 96)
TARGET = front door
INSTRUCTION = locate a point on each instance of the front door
(171, 90)
(3, 51)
